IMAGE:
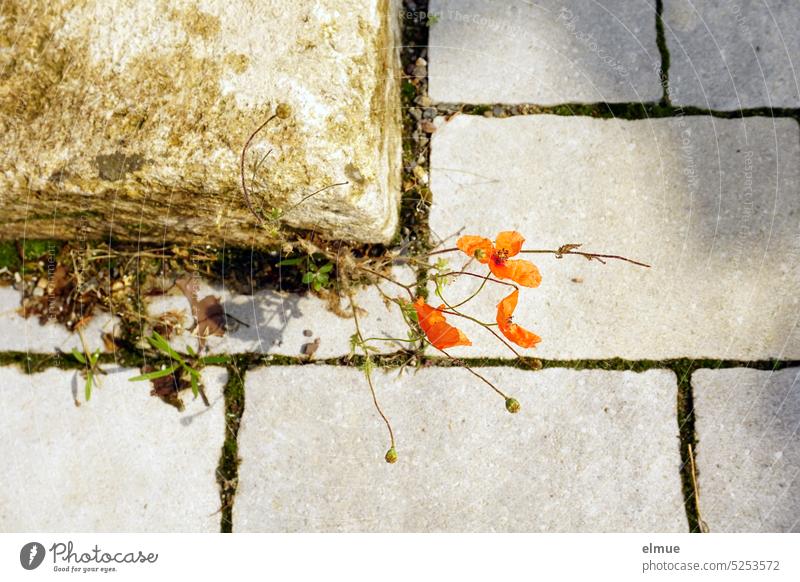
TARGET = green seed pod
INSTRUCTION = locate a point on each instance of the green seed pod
(512, 405)
(283, 111)
(391, 456)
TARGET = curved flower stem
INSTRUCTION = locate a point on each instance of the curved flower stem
(244, 182)
(387, 278)
(560, 252)
(471, 371)
(478, 275)
(368, 374)
(391, 339)
(487, 326)
(471, 297)
(452, 311)
(314, 193)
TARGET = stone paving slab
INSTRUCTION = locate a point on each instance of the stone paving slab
(22, 334)
(748, 452)
(712, 204)
(124, 461)
(546, 52)
(733, 55)
(289, 324)
(589, 451)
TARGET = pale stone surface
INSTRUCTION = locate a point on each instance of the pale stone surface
(22, 334)
(712, 204)
(545, 52)
(589, 451)
(748, 452)
(289, 324)
(733, 55)
(128, 118)
(124, 461)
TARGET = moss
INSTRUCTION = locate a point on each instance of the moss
(629, 111)
(408, 92)
(36, 249)
(661, 41)
(228, 468)
(9, 256)
(31, 363)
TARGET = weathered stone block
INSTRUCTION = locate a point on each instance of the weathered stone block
(127, 118)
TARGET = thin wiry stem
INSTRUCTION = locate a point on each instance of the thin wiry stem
(591, 256)
(560, 252)
(471, 297)
(703, 525)
(483, 324)
(471, 371)
(307, 196)
(478, 275)
(368, 374)
(244, 181)
(406, 287)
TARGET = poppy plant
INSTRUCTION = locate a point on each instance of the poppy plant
(507, 244)
(441, 334)
(519, 335)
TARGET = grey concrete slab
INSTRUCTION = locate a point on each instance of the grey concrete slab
(748, 450)
(733, 55)
(122, 462)
(712, 204)
(544, 52)
(589, 451)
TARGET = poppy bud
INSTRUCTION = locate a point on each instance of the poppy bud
(512, 405)
(283, 111)
(391, 456)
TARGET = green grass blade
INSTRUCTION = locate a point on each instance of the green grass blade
(158, 342)
(215, 360)
(154, 375)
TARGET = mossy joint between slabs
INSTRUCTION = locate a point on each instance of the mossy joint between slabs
(228, 467)
(602, 110)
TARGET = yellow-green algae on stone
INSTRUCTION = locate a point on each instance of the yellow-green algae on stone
(128, 117)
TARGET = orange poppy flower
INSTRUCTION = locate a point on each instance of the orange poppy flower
(441, 334)
(519, 335)
(508, 244)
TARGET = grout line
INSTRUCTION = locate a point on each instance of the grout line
(686, 432)
(36, 362)
(416, 153)
(228, 467)
(626, 111)
(661, 42)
